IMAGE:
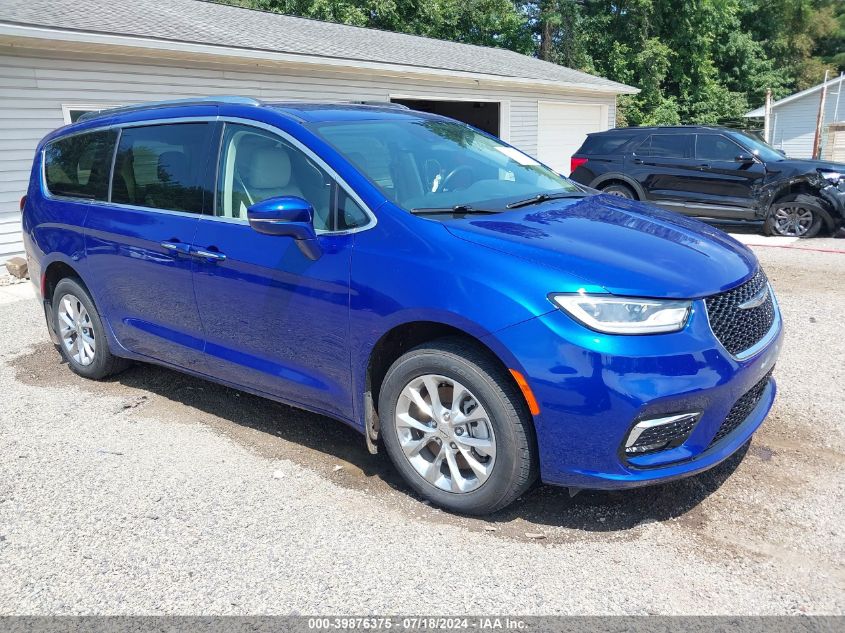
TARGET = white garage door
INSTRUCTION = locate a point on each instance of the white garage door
(562, 127)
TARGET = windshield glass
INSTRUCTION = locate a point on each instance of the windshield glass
(433, 164)
(758, 147)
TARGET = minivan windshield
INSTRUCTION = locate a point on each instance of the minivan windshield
(759, 148)
(431, 164)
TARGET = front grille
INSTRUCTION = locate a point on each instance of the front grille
(736, 328)
(743, 408)
(658, 438)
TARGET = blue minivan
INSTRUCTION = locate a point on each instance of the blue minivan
(484, 319)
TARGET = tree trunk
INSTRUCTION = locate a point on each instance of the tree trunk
(546, 7)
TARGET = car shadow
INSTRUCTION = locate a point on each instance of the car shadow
(321, 443)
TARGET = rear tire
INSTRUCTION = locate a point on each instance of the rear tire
(619, 190)
(473, 455)
(82, 338)
(796, 215)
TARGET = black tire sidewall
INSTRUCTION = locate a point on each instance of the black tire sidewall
(102, 357)
(810, 202)
(484, 387)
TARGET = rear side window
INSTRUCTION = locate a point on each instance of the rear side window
(607, 144)
(78, 166)
(667, 146)
(162, 166)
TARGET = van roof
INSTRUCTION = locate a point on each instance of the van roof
(302, 111)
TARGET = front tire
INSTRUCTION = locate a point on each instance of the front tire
(797, 215)
(457, 428)
(82, 338)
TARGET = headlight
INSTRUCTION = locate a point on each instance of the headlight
(624, 315)
(832, 176)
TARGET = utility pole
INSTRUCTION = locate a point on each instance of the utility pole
(817, 139)
(767, 117)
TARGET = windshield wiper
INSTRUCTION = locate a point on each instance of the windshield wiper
(544, 197)
(458, 209)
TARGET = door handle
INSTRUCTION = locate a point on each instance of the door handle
(704, 166)
(208, 255)
(176, 247)
(638, 161)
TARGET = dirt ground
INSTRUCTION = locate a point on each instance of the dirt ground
(770, 520)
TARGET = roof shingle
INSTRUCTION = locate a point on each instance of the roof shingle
(207, 23)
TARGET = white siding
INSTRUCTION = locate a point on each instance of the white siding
(795, 122)
(35, 85)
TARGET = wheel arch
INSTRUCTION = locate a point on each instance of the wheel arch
(803, 188)
(53, 273)
(405, 336)
(608, 178)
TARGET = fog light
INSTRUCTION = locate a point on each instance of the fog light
(658, 434)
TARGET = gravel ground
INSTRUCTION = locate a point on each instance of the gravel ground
(156, 493)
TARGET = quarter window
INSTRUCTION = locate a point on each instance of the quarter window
(604, 144)
(78, 166)
(349, 213)
(716, 147)
(162, 166)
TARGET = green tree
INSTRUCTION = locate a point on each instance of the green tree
(695, 61)
(485, 22)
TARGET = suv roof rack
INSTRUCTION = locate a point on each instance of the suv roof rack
(225, 99)
(382, 104)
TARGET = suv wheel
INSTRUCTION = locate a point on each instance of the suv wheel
(456, 427)
(798, 215)
(619, 190)
(82, 337)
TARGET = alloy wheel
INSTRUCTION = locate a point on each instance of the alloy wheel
(792, 221)
(445, 433)
(76, 330)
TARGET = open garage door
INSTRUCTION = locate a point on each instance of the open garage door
(481, 114)
(562, 128)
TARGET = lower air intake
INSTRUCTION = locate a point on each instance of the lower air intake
(658, 434)
(743, 408)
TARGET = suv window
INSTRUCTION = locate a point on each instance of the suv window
(604, 144)
(78, 166)
(162, 166)
(256, 164)
(716, 147)
(667, 146)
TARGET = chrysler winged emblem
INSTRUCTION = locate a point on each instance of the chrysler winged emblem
(757, 300)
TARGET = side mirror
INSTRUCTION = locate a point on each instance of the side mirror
(744, 158)
(290, 216)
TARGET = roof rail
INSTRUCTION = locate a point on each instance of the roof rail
(383, 104)
(225, 99)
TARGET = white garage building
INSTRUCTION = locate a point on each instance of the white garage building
(60, 58)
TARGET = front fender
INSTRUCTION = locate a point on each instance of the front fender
(835, 197)
(411, 270)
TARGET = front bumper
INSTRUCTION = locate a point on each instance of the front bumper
(835, 196)
(592, 388)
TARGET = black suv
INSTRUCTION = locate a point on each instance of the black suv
(715, 172)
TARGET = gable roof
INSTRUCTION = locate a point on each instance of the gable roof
(224, 28)
(761, 111)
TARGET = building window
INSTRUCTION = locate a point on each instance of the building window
(71, 113)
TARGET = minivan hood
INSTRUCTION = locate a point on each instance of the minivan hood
(627, 247)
